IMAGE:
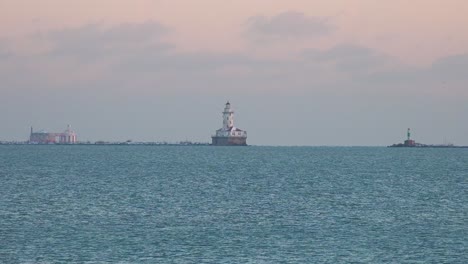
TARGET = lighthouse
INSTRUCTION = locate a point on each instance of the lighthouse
(409, 142)
(228, 117)
(229, 135)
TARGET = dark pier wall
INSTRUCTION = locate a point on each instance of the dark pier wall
(229, 141)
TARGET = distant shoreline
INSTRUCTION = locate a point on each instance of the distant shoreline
(111, 144)
(208, 144)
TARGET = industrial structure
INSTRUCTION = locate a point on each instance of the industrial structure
(44, 137)
(229, 135)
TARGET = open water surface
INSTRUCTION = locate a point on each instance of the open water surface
(177, 204)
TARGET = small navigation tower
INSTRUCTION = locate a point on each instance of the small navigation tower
(409, 142)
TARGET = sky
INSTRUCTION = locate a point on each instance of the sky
(297, 72)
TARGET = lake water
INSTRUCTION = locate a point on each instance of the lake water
(202, 204)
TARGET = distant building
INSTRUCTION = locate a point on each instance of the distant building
(44, 137)
(229, 135)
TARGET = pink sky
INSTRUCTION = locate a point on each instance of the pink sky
(416, 31)
(352, 71)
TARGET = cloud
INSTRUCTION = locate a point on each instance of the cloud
(136, 56)
(446, 76)
(350, 58)
(75, 57)
(450, 68)
(145, 61)
(4, 52)
(95, 41)
(287, 25)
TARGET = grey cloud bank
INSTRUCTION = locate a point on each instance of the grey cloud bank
(288, 24)
(95, 41)
(127, 82)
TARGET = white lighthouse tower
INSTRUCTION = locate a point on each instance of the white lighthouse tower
(228, 117)
(229, 135)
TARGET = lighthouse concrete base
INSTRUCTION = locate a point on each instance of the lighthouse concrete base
(229, 141)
